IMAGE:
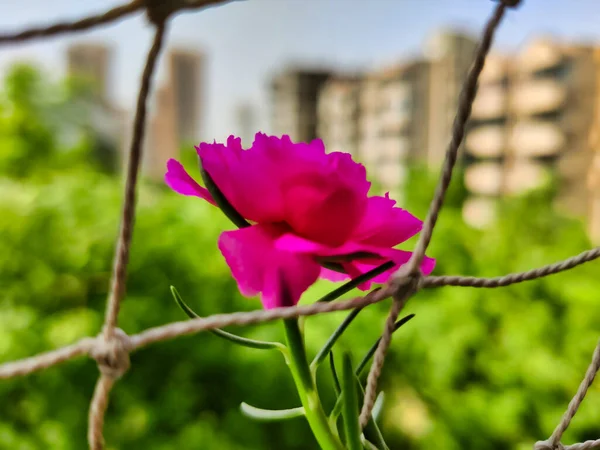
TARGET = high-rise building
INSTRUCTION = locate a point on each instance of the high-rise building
(338, 114)
(486, 142)
(186, 80)
(91, 62)
(294, 95)
(393, 122)
(161, 140)
(245, 119)
(176, 114)
(531, 121)
(450, 55)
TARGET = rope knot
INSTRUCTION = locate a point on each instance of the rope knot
(547, 445)
(511, 3)
(406, 281)
(158, 11)
(112, 354)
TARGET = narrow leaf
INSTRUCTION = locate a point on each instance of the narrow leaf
(371, 431)
(347, 287)
(333, 339)
(336, 267)
(378, 406)
(271, 415)
(251, 343)
(372, 350)
(350, 408)
(368, 445)
(336, 380)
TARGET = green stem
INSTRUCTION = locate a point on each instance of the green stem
(307, 391)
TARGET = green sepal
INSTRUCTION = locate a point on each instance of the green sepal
(245, 342)
(271, 415)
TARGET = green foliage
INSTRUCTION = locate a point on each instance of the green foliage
(46, 127)
(475, 369)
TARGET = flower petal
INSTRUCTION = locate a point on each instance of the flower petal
(360, 265)
(297, 244)
(258, 267)
(322, 196)
(399, 257)
(333, 275)
(321, 208)
(287, 279)
(181, 182)
(385, 225)
(247, 180)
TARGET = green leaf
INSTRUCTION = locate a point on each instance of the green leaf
(336, 380)
(271, 415)
(368, 445)
(373, 348)
(372, 432)
(326, 349)
(378, 406)
(245, 342)
(350, 408)
(336, 267)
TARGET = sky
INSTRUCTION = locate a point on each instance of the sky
(247, 41)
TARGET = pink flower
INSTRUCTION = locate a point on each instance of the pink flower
(304, 205)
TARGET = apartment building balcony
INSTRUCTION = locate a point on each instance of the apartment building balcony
(393, 149)
(479, 211)
(538, 96)
(490, 103)
(484, 178)
(541, 54)
(369, 95)
(593, 177)
(368, 150)
(525, 175)
(390, 176)
(487, 141)
(494, 71)
(533, 139)
(393, 122)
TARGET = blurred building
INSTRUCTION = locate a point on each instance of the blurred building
(294, 97)
(486, 142)
(593, 178)
(161, 142)
(531, 122)
(338, 114)
(393, 122)
(450, 54)
(91, 62)
(186, 81)
(535, 119)
(386, 118)
(246, 120)
(176, 114)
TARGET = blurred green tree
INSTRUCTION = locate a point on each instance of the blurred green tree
(47, 126)
(476, 369)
